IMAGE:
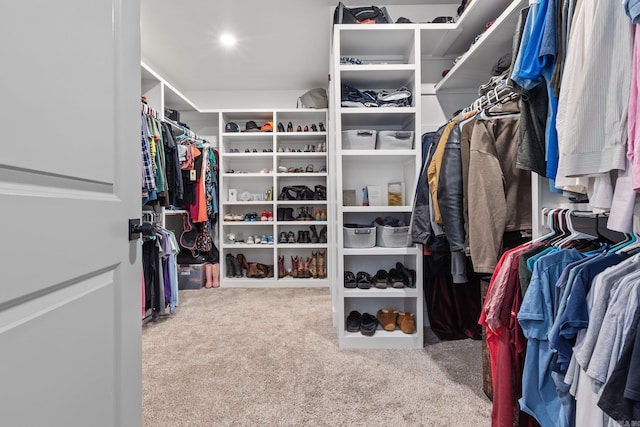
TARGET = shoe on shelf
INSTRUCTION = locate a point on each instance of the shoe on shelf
(406, 322)
(321, 126)
(353, 321)
(363, 280)
(387, 319)
(228, 217)
(280, 150)
(257, 239)
(381, 279)
(350, 280)
(368, 324)
(323, 168)
(269, 216)
(264, 240)
(314, 128)
(264, 216)
(291, 237)
(322, 237)
(407, 273)
(250, 240)
(397, 280)
(229, 266)
(322, 265)
(280, 127)
(299, 128)
(290, 127)
(270, 240)
(283, 237)
(309, 168)
(306, 128)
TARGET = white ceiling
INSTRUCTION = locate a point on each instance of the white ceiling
(283, 44)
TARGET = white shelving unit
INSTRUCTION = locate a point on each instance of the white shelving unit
(391, 56)
(255, 175)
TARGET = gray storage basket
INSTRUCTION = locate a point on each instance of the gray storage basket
(392, 237)
(359, 236)
(394, 140)
(359, 139)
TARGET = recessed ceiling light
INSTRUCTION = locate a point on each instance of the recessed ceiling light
(227, 40)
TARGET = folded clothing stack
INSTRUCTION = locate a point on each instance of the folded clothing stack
(352, 97)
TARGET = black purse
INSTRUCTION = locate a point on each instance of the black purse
(361, 15)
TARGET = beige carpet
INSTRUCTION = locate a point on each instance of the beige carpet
(269, 357)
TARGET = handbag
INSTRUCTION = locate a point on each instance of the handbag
(195, 238)
(361, 15)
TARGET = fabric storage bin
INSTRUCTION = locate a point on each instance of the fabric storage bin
(392, 237)
(359, 236)
(359, 139)
(191, 276)
(394, 140)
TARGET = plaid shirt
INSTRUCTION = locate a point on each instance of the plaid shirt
(148, 182)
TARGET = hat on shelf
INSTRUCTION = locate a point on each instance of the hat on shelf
(231, 127)
(251, 126)
(267, 127)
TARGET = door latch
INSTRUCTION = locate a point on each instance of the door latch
(146, 229)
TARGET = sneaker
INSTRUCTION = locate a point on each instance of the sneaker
(264, 216)
(270, 240)
(283, 237)
(353, 321)
(250, 240)
(257, 240)
(264, 240)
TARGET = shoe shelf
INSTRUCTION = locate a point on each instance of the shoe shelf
(380, 293)
(256, 173)
(382, 251)
(390, 59)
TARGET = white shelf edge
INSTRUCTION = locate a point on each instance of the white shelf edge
(380, 293)
(361, 153)
(252, 223)
(258, 154)
(306, 134)
(377, 110)
(377, 208)
(301, 174)
(262, 135)
(248, 175)
(302, 154)
(285, 223)
(247, 246)
(301, 245)
(274, 283)
(381, 251)
(241, 203)
(301, 202)
(378, 67)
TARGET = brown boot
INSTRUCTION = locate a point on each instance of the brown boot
(307, 271)
(270, 270)
(301, 268)
(322, 265)
(281, 271)
(262, 270)
(314, 265)
(252, 270)
(243, 263)
(294, 267)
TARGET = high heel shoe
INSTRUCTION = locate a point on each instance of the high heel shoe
(290, 127)
(314, 128)
(280, 127)
(321, 126)
(299, 128)
(306, 128)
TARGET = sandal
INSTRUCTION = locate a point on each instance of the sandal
(309, 168)
(381, 279)
(363, 280)
(350, 280)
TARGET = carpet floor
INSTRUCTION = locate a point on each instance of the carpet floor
(270, 357)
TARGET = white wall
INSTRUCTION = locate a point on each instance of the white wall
(229, 100)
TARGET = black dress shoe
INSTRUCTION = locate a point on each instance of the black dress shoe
(290, 127)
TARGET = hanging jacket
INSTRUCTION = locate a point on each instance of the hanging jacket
(421, 226)
(450, 200)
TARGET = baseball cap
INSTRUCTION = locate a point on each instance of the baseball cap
(251, 126)
(267, 127)
(231, 127)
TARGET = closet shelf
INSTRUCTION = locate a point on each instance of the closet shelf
(296, 135)
(380, 293)
(301, 174)
(302, 202)
(381, 251)
(285, 282)
(248, 175)
(374, 209)
(246, 246)
(287, 223)
(302, 155)
(251, 202)
(474, 68)
(376, 153)
(249, 223)
(301, 245)
(383, 339)
(248, 155)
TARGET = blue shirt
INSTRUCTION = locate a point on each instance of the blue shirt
(539, 396)
(576, 314)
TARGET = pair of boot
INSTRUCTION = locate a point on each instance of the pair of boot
(301, 268)
(285, 214)
(233, 267)
(256, 270)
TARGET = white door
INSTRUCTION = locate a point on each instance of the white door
(70, 316)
